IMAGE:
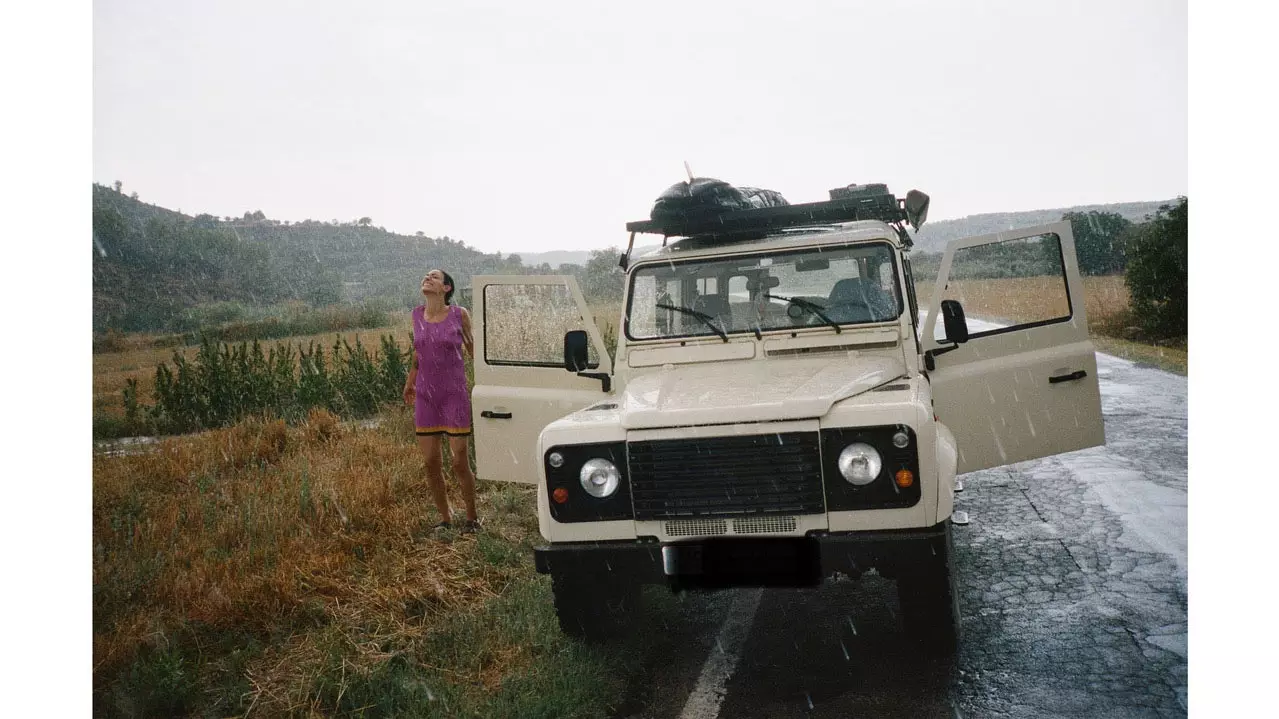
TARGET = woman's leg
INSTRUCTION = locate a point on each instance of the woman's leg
(461, 465)
(431, 451)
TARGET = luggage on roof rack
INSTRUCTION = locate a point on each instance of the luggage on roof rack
(724, 215)
(702, 197)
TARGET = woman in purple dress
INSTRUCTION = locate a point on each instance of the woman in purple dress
(436, 387)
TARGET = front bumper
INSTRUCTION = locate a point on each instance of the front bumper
(746, 562)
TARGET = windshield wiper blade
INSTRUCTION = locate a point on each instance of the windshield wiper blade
(705, 318)
(810, 306)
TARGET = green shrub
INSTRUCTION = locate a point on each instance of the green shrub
(225, 383)
(1158, 273)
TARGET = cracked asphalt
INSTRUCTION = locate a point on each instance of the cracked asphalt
(1073, 584)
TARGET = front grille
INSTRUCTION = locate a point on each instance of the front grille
(725, 476)
(763, 525)
(696, 527)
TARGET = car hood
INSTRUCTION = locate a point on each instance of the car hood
(750, 391)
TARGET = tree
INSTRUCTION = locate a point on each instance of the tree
(602, 278)
(1101, 240)
(365, 221)
(1157, 275)
(119, 186)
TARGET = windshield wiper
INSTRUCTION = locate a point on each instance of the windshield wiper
(810, 306)
(705, 318)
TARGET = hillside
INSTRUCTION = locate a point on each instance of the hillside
(933, 236)
(152, 266)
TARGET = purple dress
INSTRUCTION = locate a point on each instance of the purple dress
(443, 403)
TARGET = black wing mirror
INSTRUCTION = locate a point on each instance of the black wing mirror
(952, 314)
(916, 206)
(575, 346)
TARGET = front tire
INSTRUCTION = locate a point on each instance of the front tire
(929, 599)
(592, 608)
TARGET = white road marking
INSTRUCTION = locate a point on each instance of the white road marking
(709, 691)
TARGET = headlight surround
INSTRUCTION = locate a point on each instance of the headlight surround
(600, 477)
(883, 492)
(860, 463)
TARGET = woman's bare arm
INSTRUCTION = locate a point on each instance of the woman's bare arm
(467, 340)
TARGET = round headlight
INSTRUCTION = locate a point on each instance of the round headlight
(555, 459)
(860, 463)
(600, 477)
(901, 439)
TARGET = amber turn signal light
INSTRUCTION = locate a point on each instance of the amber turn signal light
(560, 495)
(904, 478)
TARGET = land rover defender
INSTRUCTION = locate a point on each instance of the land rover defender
(777, 411)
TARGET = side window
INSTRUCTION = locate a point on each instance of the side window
(1009, 285)
(525, 325)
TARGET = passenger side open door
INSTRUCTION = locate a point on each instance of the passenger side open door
(1023, 384)
(521, 383)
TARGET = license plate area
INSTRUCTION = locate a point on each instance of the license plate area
(763, 562)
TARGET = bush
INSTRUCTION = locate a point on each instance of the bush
(225, 383)
(1101, 241)
(1158, 272)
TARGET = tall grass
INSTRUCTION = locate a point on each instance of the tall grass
(274, 570)
(1105, 300)
(223, 383)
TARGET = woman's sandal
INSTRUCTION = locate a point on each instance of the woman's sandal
(470, 526)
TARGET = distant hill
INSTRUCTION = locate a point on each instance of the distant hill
(152, 266)
(933, 236)
(570, 257)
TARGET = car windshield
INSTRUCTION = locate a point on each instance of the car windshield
(835, 285)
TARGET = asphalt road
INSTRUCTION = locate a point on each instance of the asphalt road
(1073, 600)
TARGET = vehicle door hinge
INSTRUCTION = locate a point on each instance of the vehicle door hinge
(603, 377)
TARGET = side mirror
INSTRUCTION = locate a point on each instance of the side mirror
(952, 314)
(916, 208)
(575, 350)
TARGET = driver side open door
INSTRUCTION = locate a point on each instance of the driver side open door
(521, 383)
(1024, 384)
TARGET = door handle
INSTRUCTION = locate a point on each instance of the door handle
(489, 414)
(1077, 374)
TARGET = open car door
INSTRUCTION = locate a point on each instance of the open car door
(521, 380)
(1024, 384)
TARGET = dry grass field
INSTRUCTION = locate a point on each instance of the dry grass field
(1105, 299)
(269, 570)
(1110, 321)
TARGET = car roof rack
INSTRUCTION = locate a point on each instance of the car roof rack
(736, 225)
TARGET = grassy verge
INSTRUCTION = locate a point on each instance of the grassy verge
(277, 571)
(1168, 359)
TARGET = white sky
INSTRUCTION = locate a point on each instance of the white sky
(526, 127)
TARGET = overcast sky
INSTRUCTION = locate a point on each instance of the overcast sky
(527, 127)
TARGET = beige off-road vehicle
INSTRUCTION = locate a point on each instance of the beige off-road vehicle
(775, 413)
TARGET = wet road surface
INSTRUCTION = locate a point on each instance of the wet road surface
(1072, 579)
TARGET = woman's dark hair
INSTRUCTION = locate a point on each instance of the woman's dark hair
(448, 280)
